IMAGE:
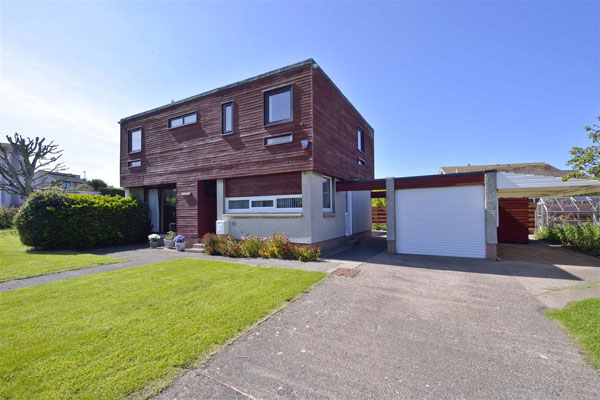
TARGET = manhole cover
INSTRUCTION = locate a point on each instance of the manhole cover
(348, 273)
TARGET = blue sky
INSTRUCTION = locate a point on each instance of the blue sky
(442, 83)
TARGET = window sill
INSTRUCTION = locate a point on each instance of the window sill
(329, 214)
(135, 152)
(263, 215)
(269, 124)
(227, 133)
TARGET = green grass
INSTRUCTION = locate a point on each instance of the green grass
(19, 261)
(582, 320)
(113, 334)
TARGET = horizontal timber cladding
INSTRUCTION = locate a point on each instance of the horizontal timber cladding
(264, 185)
(513, 224)
(335, 125)
(432, 181)
(200, 151)
(371, 184)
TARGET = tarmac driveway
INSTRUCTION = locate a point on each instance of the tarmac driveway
(415, 328)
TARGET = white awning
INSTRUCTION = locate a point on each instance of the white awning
(521, 185)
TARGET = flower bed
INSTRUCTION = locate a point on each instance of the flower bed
(585, 238)
(276, 246)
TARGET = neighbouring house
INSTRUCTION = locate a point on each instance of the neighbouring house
(8, 199)
(262, 155)
(534, 168)
(62, 180)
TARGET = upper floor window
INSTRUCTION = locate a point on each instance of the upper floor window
(327, 194)
(134, 140)
(134, 163)
(278, 105)
(279, 139)
(227, 118)
(183, 120)
(361, 140)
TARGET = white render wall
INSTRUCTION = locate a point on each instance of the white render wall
(312, 225)
(361, 211)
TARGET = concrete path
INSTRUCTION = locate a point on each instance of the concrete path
(413, 327)
(142, 255)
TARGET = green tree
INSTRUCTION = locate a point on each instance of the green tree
(97, 184)
(585, 161)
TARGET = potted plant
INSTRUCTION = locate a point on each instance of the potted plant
(153, 239)
(179, 242)
(169, 239)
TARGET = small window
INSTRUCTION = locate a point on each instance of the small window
(262, 203)
(239, 204)
(227, 118)
(278, 105)
(134, 140)
(327, 195)
(361, 140)
(270, 141)
(292, 202)
(362, 162)
(183, 120)
(134, 163)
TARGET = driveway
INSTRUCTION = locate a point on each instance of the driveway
(416, 328)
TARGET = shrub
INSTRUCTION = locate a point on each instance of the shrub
(7, 216)
(276, 246)
(110, 191)
(379, 227)
(51, 221)
(584, 237)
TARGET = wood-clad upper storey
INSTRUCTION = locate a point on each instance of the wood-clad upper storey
(335, 128)
(199, 151)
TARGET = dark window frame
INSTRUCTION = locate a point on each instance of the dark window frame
(134, 166)
(361, 140)
(280, 89)
(182, 116)
(290, 134)
(223, 120)
(129, 136)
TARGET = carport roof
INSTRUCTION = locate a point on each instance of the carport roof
(522, 185)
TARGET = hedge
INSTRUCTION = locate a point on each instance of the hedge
(585, 238)
(53, 221)
(7, 216)
(109, 191)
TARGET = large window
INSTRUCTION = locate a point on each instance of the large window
(183, 120)
(361, 140)
(227, 118)
(134, 140)
(278, 105)
(327, 194)
(162, 208)
(264, 204)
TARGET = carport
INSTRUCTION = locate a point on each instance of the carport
(459, 214)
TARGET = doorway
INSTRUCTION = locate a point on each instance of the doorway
(207, 207)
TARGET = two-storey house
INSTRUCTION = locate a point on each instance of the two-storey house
(262, 154)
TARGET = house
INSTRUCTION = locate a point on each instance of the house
(62, 180)
(8, 199)
(535, 168)
(262, 155)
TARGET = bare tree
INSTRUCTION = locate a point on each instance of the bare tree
(31, 161)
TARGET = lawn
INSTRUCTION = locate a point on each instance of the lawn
(19, 261)
(118, 333)
(582, 320)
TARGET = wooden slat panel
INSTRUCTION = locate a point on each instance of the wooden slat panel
(379, 215)
(514, 220)
(264, 185)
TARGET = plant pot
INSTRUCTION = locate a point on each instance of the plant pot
(180, 246)
(169, 243)
(153, 245)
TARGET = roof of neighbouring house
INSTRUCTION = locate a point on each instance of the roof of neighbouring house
(535, 168)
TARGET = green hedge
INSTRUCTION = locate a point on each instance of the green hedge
(7, 216)
(109, 191)
(585, 238)
(53, 221)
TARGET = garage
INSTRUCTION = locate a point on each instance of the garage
(441, 221)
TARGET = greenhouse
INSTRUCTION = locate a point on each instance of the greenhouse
(567, 210)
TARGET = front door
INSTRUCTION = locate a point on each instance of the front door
(207, 207)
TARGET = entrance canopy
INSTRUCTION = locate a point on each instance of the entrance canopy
(521, 185)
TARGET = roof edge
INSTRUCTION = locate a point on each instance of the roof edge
(290, 67)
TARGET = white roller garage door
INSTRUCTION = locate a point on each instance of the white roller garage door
(446, 221)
